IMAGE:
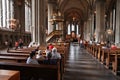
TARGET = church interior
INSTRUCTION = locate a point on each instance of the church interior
(59, 39)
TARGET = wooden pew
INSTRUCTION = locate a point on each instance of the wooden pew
(18, 51)
(104, 55)
(62, 51)
(9, 75)
(28, 71)
(22, 50)
(14, 54)
(114, 57)
(21, 58)
(116, 63)
(14, 58)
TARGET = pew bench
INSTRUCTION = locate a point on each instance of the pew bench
(34, 71)
(14, 54)
(17, 51)
(13, 58)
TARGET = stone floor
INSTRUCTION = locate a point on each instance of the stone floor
(81, 65)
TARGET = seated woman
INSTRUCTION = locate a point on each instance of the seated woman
(55, 54)
(32, 58)
(39, 56)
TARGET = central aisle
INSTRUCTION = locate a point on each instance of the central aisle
(81, 65)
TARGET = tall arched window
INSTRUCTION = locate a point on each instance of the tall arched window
(27, 16)
(73, 27)
(6, 12)
(77, 31)
(69, 32)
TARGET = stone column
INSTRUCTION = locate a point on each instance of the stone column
(38, 22)
(90, 27)
(117, 31)
(91, 22)
(50, 13)
(33, 21)
(42, 21)
(88, 30)
(92, 32)
(100, 20)
(85, 31)
(82, 30)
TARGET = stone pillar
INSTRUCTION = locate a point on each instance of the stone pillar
(100, 20)
(82, 30)
(92, 32)
(33, 21)
(50, 13)
(91, 25)
(38, 22)
(85, 31)
(42, 20)
(117, 31)
(88, 30)
(19, 14)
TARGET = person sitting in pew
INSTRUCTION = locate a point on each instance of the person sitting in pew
(32, 58)
(39, 56)
(113, 47)
(49, 59)
(47, 50)
(55, 54)
(37, 48)
(51, 46)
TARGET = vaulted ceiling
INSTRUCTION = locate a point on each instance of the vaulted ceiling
(78, 9)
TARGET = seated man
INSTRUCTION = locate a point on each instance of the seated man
(32, 58)
(49, 59)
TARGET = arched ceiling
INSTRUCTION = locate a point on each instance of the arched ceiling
(76, 8)
(79, 9)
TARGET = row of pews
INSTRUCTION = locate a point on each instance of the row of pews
(15, 60)
(107, 56)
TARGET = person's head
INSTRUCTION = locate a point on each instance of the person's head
(37, 48)
(50, 43)
(32, 54)
(49, 55)
(39, 52)
(54, 50)
(47, 47)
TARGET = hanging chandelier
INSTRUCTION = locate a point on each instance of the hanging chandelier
(109, 31)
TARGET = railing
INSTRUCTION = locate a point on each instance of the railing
(53, 33)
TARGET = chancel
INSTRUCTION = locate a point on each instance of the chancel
(74, 39)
